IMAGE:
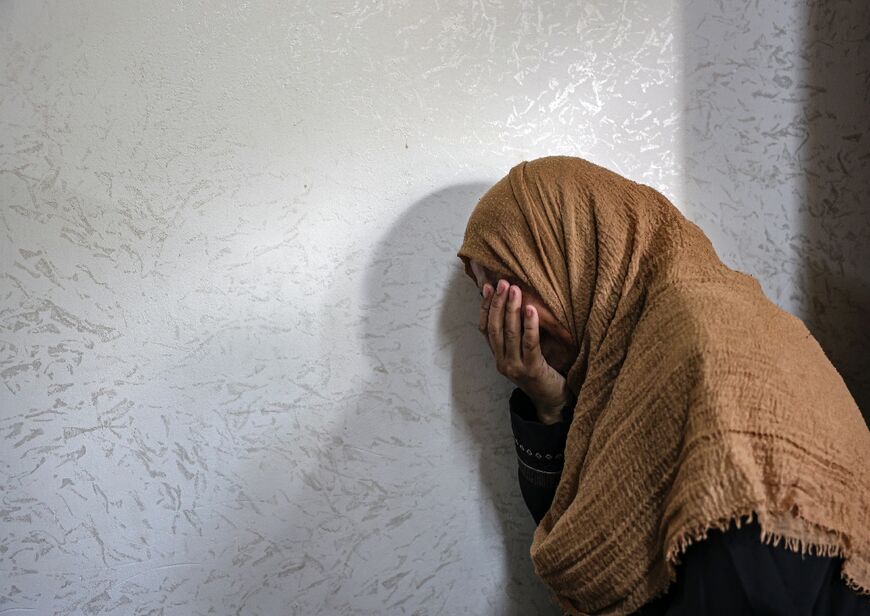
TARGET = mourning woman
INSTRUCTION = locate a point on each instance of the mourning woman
(684, 445)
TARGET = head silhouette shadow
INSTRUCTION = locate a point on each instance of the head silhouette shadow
(416, 286)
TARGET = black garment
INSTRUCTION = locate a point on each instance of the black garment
(733, 572)
(730, 572)
(540, 452)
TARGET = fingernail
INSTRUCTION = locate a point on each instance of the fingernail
(502, 285)
(487, 291)
(513, 293)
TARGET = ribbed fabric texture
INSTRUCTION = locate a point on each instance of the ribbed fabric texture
(699, 401)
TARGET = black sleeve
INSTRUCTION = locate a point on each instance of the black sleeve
(540, 452)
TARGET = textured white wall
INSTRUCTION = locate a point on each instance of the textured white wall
(240, 372)
(240, 368)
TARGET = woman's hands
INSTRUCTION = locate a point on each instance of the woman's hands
(515, 342)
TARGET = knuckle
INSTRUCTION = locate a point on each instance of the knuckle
(513, 371)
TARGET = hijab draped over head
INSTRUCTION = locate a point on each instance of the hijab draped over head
(699, 401)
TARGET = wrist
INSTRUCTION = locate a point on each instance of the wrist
(549, 416)
(550, 412)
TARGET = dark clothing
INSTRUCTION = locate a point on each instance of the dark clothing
(730, 572)
(540, 452)
(733, 572)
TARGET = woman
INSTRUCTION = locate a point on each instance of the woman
(684, 444)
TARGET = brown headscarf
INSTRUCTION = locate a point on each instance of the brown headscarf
(699, 401)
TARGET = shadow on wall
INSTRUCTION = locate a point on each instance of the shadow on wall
(836, 165)
(408, 501)
(416, 286)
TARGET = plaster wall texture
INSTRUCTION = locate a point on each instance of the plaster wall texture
(239, 369)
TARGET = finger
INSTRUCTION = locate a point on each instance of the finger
(512, 333)
(484, 308)
(531, 337)
(496, 320)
